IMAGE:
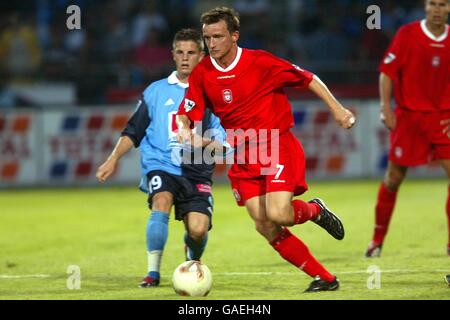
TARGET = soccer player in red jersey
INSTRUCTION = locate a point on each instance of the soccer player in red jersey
(418, 63)
(244, 88)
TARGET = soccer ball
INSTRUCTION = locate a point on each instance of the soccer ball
(192, 278)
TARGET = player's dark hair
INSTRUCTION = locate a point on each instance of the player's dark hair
(189, 35)
(229, 15)
(426, 1)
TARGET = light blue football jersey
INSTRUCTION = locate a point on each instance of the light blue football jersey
(159, 147)
(151, 128)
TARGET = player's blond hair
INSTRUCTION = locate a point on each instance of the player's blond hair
(229, 15)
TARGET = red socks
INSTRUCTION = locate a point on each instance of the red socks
(383, 213)
(385, 207)
(296, 252)
(304, 211)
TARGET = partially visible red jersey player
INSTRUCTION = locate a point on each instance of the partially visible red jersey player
(417, 68)
(244, 88)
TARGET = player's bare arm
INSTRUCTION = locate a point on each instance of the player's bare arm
(200, 142)
(343, 116)
(184, 129)
(387, 115)
(196, 140)
(124, 144)
(211, 145)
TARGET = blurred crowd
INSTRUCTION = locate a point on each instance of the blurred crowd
(126, 43)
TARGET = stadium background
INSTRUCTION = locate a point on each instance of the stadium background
(66, 94)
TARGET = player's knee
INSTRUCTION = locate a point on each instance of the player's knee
(279, 214)
(264, 227)
(260, 227)
(198, 232)
(197, 225)
(393, 179)
(162, 202)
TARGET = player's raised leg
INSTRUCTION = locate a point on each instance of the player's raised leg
(196, 236)
(157, 233)
(290, 247)
(387, 195)
(285, 178)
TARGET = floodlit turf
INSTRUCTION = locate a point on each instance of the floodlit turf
(102, 231)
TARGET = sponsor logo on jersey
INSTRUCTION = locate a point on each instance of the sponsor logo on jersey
(169, 102)
(389, 58)
(188, 105)
(278, 181)
(227, 96)
(204, 188)
(436, 61)
(226, 77)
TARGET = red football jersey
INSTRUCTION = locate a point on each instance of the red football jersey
(248, 94)
(419, 65)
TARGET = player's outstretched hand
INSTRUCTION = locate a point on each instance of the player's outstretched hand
(345, 118)
(387, 116)
(106, 170)
(184, 134)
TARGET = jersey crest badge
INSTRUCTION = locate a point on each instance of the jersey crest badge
(436, 61)
(227, 96)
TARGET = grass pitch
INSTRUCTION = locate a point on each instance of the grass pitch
(102, 231)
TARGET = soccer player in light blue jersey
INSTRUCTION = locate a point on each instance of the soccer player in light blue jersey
(165, 177)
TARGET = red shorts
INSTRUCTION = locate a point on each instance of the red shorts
(418, 138)
(285, 173)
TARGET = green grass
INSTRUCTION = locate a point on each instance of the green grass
(102, 231)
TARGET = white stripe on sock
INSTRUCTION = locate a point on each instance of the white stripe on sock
(154, 260)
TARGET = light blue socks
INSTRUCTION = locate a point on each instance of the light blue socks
(157, 233)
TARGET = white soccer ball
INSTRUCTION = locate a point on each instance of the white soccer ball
(192, 278)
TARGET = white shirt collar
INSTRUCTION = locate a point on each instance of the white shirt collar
(423, 25)
(173, 79)
(231, 66)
